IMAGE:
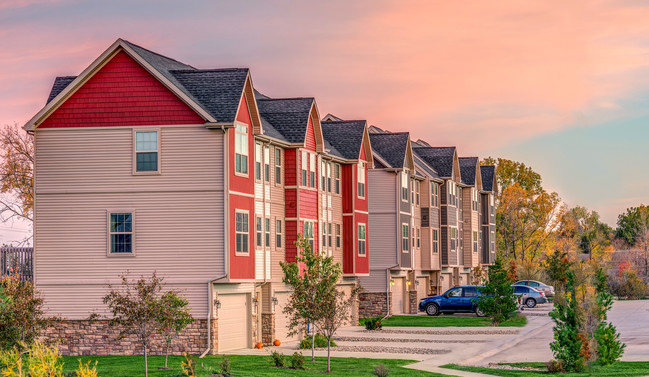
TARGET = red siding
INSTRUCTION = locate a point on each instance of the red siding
(290, 168)
(348, 244)
(309, 140)
(241, 183)
(361, 204)
(362, 263)
(242, 267)
(308, 204)
(291, 237)
(122, 93)
(349, 188)
(290, 197)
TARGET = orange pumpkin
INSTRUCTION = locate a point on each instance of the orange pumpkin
(277, 342)
(259, 345)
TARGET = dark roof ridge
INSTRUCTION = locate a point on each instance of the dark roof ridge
(209, 70)
(155, 53)
(284, 99)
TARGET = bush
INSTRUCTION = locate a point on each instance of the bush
(627, 284)
(373, 323)
(320, 342)
(39, 360)
(278, 359)
(297, 361)
(554, 366)
(225, 366)
(85, 370)
(381, 371)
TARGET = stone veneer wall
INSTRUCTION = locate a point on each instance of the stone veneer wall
(267, 328)
(412, 302)
(373, 304)
(84, 337)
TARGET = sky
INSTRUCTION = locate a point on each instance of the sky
(562, 87)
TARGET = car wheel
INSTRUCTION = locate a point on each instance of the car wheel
(530, 302)
(432, 310)
(479, 312)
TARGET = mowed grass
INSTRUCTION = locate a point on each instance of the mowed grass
(449, 321)
(619, 369)
(242, 366)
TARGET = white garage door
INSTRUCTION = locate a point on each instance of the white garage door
(281, 320)
(422, 288)
(233, 322)
(397, 296)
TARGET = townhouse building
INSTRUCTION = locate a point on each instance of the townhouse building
(488, 214)
(145, 164)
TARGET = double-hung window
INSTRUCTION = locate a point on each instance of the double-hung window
(312, 170)
(412, 191)
(241, 149)
(337, 177)
(434, 194)
(267, 231)
(405, 237)
(146, 151)
(305, 163)
(329, 177)
(417, 191)
(453, 236)
(259, 231)
(362, 239)
(258, 162)
(241, 232)
(267, 163)
(121, 233)
(278, 234)
(435, 240)
(360, 174)
(308, 233)
(475, 242)
(323, 176)
(418, 238)
(278, 165)
(451, 193)
(329, 234)
(493, 242)
(324, 235)
(404, 186)
(338, 236)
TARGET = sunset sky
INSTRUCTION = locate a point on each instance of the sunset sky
(560, 86)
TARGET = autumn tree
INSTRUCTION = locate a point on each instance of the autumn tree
(17, 173)
(136, 309)
(584, 228)
(633, 227)
(525, 211)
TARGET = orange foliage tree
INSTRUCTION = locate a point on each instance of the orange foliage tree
(17, 173)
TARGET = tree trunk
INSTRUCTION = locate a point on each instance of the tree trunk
(146, 367)
(166, 355)
(329, 355)
(312, 342)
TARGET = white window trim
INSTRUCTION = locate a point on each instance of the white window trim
(280, 166)
(134, 156)
(259, 161)
(236, 173)
(259, 232)
(404, 177)
(407, 238)
(358, 251)
(338, 189)
(266, 171)
(109, 253)
(242, 253)
(278, 232)
(360, 179)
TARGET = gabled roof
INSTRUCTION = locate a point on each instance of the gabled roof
(468, 166)
(440, 158)
(288, 117)
(214, 94)
(488, 173)
(331, 118)
(422, 166)
(344, 138)
(392, 147)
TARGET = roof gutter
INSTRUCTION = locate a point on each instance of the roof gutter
(220, 125)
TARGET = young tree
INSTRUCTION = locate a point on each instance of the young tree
(302, 276)
(16, 173)
(21, 312)
(174, 317)
(496, 299)
(609, 346)
(135, 308)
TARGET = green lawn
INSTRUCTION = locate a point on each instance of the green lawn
(619, 369)
(448, 321)
(242, 366)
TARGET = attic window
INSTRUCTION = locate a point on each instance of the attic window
(361, 179)
(241, 149)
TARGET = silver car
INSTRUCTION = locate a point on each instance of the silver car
(547, 289)
(529, 296)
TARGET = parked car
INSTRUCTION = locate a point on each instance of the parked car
(547, 289)
(455, 300)
(529, 296)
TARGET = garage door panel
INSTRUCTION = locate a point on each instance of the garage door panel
(397, 296)
(281, 320)
(233, 322)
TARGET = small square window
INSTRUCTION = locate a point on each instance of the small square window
(146, 151)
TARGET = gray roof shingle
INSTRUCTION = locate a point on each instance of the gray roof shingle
(420, 164)
(391, 147)
(345, 137)
(468, 170)
(218, 91)
(487, 173)
(60, 83)
(440, 158)
(288, 117)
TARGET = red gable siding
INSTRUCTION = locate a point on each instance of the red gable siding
(122, 93)
(241, 183)
(309, 140)
(362, 157)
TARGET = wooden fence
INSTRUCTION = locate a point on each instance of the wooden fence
(19, 259)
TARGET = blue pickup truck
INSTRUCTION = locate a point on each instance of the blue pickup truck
(455, 300)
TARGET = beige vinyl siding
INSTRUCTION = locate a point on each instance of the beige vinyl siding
(178, 228)
(471, 224)
(337, 218)
(375, 282)
(277, 255)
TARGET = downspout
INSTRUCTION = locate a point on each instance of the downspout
(387, 289)
(210, 303)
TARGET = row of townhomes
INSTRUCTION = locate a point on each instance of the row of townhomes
(144, 164)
